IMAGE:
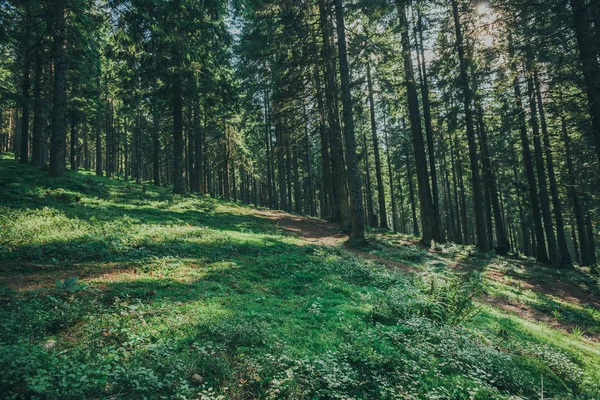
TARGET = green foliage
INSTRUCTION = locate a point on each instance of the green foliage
(447, 299)
(196, 298)
(70, 285)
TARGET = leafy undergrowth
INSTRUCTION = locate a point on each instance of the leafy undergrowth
(203, 299)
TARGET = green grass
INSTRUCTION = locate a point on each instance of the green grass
(191, 297)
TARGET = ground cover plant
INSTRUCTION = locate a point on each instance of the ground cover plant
(110, 290)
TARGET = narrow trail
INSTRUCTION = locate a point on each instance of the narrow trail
(319, 232)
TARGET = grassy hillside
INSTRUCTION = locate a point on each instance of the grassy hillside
(202, 299)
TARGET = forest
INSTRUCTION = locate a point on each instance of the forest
(300, 199)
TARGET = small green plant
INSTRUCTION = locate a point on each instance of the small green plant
(577, 332)
(70, 285)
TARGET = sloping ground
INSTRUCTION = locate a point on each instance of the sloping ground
(551, 293)
(197, 298)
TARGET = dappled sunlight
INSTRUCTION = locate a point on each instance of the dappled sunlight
(237, 295)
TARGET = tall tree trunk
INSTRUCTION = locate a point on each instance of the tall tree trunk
(296, 181)
(357, 235)
(308, 179)
(328, 197)
(539, 165)
(59, 114)
(109, 139)
(589, 61)
(38, 109)
(177, 93)
(371, 217)
(461, 216)
(391, 179)
(178, 179)
(411, 193)
(73, 158)
(279, 149)
(270, 178)
(26, 100)
(563, 249)
(591, 242)
(572, 187)
(378, 175)
(155, 144)
(490, 177)
(428, 213)
(428, 123)
(341, 206)
(575, 244)
(540, 250)
(481, 238)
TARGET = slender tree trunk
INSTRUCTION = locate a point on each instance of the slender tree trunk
(378, 174)
(296, 181)
(309, 187)
(502, 241)
(589, 61)
(328, 197)
(25, 105)
(357, 236)
(575, 244)
(391, 179)
(38, 109)
(178, 179)
(478, 199)
(109, 139)
(411, 192)
(458, 174)
(74, 145)
(428, 123)
(59, 114)
(428, 213)
(591, 242)
(541, 173)
(270, 179)
(572, 187)
(279, 149)
(341, 205)
(540, 250)
(371, 217)
(563, 249)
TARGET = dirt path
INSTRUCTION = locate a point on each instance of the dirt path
(320, 232)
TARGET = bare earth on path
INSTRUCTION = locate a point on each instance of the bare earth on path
(318, 231)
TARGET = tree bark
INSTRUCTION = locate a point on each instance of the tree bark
(371, 217)
(589, 61)
(38, 109)
(539, 166)
(383, 223)
(391, 179)
(563, 249)
(357, 235)
(540, 249)
(480, 226)
(59, 114)
(428, 124)
(73, 159)
(327, 194)
(586, 258)
(428, 214)
(340, 205)
(501, 239)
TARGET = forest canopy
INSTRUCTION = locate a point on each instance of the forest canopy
(474, 122)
